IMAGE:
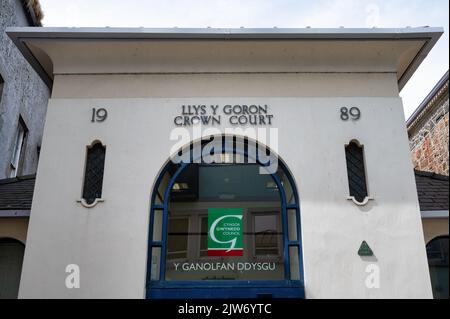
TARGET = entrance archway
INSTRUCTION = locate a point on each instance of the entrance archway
(11, 258)
(223, 228)
(437, 253)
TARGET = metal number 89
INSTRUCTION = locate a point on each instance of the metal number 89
(353, 113)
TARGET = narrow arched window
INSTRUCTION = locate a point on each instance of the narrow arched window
(356, 172)
(93, 175)
(437, 253)
(11, 259)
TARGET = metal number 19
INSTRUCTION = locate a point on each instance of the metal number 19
(99, 115)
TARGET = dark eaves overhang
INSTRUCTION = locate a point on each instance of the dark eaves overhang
(16, 196)
(427, 34)
(427, 99)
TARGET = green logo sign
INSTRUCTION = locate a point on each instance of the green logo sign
(225, 232)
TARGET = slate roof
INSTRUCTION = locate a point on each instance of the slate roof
(17, 193)
(432, 190)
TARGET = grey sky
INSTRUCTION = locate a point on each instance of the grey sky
(269, 13)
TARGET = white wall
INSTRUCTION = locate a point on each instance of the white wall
(109, 241)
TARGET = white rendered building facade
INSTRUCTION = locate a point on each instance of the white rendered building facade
(335, 216)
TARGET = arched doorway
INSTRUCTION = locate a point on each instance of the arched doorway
(11, 258)
(222, 228)
(437, 253)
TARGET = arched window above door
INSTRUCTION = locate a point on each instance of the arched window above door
(219, 224)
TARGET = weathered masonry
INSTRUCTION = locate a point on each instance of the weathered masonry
(301, 186)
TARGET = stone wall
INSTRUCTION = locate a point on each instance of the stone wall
(24, 94)
(429, 135)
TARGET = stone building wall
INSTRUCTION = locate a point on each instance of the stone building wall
(429, 135)
(24, 94)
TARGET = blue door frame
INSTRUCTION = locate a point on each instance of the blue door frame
(218, 289)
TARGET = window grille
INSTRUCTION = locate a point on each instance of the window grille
(93, 175)
(356, 171)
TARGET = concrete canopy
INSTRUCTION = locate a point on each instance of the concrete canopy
(53, 51)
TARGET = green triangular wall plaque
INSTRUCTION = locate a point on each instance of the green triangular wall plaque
(364, 249)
